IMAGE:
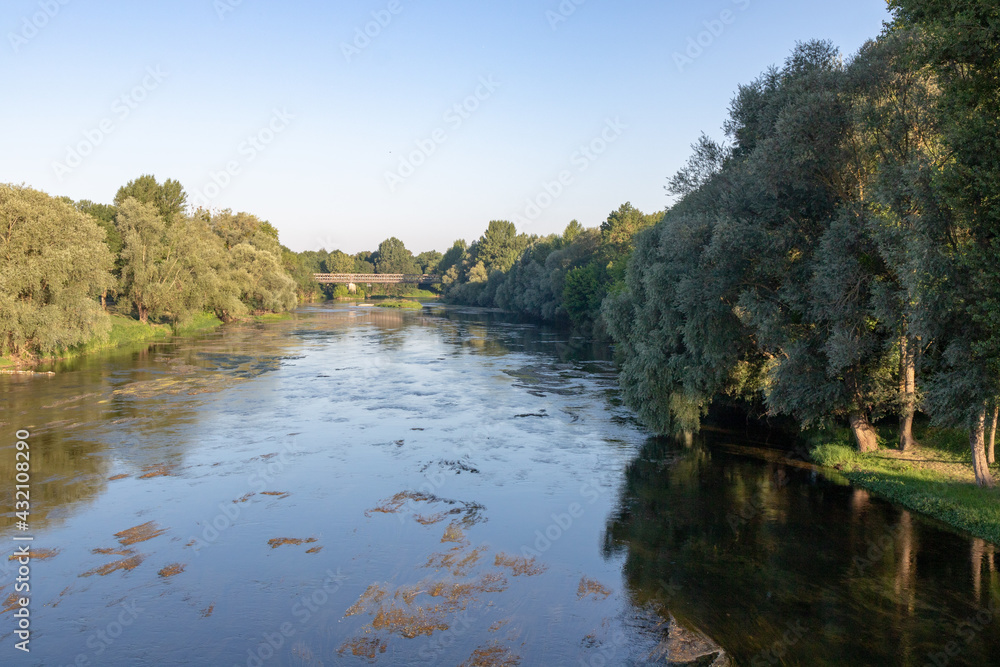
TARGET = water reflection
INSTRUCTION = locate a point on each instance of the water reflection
(426, 468)
(781, 566)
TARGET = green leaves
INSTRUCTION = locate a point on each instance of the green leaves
(53, 265)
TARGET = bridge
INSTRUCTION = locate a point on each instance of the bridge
(375, 278)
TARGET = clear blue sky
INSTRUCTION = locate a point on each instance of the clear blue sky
(200, 77)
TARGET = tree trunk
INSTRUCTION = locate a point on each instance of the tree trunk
(104, 300)
(991, 445)
(864, 432)
(908, 391)
(977, 443)
(143, 314)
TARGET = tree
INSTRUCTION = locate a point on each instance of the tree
(153, 274)
(617, 232)
(573, 230)
(428, 261)
(261, 280)
(500, 246)
(452, 257)
(104, 215)
(583, 292)
(237, 228)
(894, 98)
(393, 257)
(960, 46)
(53, 264)
(169, 199)
(339, 262)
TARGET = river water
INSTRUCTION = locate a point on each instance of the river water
(446, 486)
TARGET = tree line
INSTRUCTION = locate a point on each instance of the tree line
(834, 258)
(837, 256)
(558, 277)
(64, 261)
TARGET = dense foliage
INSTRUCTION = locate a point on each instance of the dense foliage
(837, 257)
(556, 278)
(62, 262)
(53, 265)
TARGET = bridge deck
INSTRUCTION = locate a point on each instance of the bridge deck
(375, 278)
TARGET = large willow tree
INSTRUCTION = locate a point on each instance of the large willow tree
(54, 264)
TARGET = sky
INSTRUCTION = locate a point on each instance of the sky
(345, 123)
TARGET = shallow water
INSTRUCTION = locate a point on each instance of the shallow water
(360, 486)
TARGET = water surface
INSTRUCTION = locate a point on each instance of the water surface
(358, 486)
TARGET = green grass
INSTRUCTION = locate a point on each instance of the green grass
(272, 317)
(417, 293)
(934, 479)
(196, 324)
(399, 303)
(124, 331)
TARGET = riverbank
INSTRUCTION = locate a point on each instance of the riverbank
(125, 331)
(399, 303)
(935, 478)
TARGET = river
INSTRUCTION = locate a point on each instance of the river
(446, 486)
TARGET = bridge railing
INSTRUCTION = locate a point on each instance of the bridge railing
(375, 278)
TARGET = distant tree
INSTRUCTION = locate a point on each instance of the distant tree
(104, 215)
(54, 262)
(453, 257)
(364, 262)
(428, 261)
(393, 257)
(339, 262)
(573, 229)
(583, 292)
(620, 228)
(301, 267)
(500, 246)
(169, 199)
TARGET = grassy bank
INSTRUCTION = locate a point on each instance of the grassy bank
(272, 317)
(125, 332)
(935, 478)
(197, 324)
(399, 303)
